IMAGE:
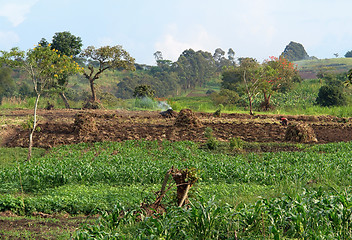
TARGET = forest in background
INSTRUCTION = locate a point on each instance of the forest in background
(197, 74)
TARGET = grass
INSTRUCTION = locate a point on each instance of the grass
(10, 156)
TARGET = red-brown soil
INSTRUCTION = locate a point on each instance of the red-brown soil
(58, 127)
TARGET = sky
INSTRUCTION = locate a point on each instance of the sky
(252, 28)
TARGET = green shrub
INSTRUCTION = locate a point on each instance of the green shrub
(236, 143)
(145, 103)
(330, 95)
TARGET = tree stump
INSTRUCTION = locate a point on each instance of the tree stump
(184, 179)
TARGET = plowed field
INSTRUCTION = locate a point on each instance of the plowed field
(58, 127)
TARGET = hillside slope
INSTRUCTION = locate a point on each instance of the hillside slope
(309, 68)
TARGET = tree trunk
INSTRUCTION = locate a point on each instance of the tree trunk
(67, 105)
(250, 105)
(94, 96)
(266, 103)
(29, 156)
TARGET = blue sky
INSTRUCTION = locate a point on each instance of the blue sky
(252, 28)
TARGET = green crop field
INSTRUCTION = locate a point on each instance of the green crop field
(316, 65)
(288, 195)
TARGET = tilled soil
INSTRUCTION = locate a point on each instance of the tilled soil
(58, 127)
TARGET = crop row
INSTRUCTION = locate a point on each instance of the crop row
(311, 215)
(145, 162)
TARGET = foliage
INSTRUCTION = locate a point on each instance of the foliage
(145, 103)
(278, 74)
(7, 83)
(221, 61)
(294, 52)
(44, 66)
(236, 144)
(108, 58)
(247, 77)
(331, 95)
(28, 125)
(194, 68)
(225, 97)
(143, 91)
(143, 162)
(67, 43)
(211, 143)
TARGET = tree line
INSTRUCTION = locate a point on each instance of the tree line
(239, 77)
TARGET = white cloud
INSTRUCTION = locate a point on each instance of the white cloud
(16, 10)
(174, 42)
(7, 39)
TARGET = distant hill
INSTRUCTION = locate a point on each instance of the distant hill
(309, 68)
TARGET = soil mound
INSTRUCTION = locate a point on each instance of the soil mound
(84, 125)
(300, 132)
(186, 118)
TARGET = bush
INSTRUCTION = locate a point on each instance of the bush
(225, 97)
(330, 95)
(145, 102)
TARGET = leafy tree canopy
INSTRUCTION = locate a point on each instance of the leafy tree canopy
(194, 68)
(107, 57)
(143, 91)
(66, 43)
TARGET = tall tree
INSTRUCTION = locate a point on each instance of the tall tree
(45, 67)
(246, 77)
(221, 61)
(231, 56)
(108, 58)
(219, 56)
(279, 73)
(158, 56)
(69, 45)
(194, 68)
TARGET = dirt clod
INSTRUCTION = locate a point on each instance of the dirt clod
(84, 125)
(186, 118)
(300, 132)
